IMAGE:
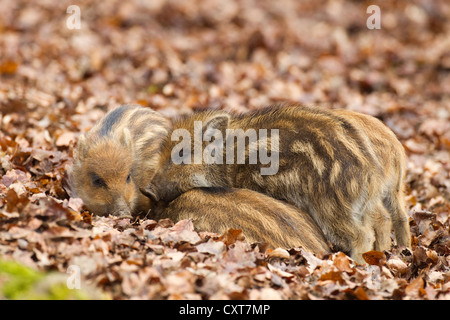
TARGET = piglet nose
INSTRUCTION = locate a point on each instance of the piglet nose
(124, 214)
(150, 192)
(121, 208)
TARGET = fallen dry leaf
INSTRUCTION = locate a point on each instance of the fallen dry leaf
(376, 258)
(231, 236)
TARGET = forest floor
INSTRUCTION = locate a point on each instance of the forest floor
(181, 56)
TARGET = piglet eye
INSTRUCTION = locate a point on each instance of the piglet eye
(129, 178)
(97, 181)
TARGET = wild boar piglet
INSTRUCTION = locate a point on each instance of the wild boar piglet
(343, 168)
(116, 158)
(261, 218)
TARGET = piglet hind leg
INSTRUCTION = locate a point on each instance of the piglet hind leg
(363, 242)
(395, 205)
(351, 236)
(382, 226)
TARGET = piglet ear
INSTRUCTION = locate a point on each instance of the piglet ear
(82, 148)
(219, 122)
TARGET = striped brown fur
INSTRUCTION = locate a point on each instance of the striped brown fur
(345, 169)
(118, 156)
(261, 218)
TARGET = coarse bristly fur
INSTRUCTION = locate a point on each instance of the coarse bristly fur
(116, 158)
(261, 218)
(344, 168)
